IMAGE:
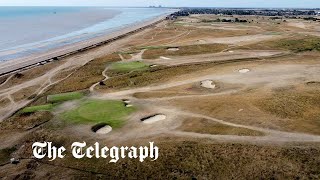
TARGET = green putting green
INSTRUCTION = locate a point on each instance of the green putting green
(56, 98)
(129, 66)
(99, 111)
(32, 109)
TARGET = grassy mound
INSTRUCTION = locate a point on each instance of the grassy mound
(99, 111)
(56, 98)
(129, 66)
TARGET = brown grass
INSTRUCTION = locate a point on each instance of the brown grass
(85, 76)
(4, 102)
(126, 56)
(155, 53)
(25, 93)
(296, 44)
(63, 74)
(154, 75)
(205, 126)
(31, 74)
(296, 111)
(186, 159)
(187, 90)
(301, 105)
(25, 121)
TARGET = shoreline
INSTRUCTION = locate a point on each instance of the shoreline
(35, 60)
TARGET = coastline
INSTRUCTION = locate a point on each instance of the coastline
(19, 64)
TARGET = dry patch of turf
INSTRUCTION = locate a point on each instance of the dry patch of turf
(295, 111)
(205, 126)
(302, 106)
(4, 102)
(296, 44)
(85, 76)
(26, 121)
(183, 90)
(186, 90)
(156, 52)
(153, 75)
(200, 160)
(24, 76)
(63, 74)
(126, 56)
(25, 93)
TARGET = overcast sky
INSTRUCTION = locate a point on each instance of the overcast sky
(175, 3)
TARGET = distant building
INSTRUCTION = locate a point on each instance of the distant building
(160, 6)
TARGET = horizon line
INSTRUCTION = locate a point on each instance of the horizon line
(152, 6)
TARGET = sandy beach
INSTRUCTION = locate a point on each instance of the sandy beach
(33, 60)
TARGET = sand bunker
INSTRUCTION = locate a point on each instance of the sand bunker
(208, 84)
(127, 102)
(173, 49)
(102, 128)
(243, 71)
(162, 57)
(201, 41)
(153, 118)
(313, 83)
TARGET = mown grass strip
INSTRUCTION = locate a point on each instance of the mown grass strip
(32, 109)
(56, 98)
(129, 66)
(153, 47)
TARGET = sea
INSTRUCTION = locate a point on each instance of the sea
(25, 31)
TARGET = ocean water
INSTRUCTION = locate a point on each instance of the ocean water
(26, 31)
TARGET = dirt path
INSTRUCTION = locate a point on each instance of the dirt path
(138, 56)
(5, 82)
(106, 77)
